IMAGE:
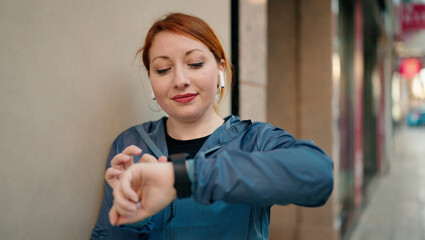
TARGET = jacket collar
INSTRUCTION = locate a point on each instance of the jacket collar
(231, 128)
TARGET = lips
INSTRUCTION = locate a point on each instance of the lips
(184, 98)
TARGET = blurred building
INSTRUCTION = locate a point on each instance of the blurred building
(409, 85)
(328, 78)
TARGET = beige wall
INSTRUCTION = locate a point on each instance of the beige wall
(299, 99)
(68, 86)
(253, 59)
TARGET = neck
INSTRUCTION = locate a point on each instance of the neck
(194, 129)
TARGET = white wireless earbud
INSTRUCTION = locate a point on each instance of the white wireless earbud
(153, 95)
(221, 76)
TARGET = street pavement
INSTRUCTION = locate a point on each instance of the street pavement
(395, 209)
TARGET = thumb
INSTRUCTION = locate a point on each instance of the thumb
(140, 215)
(162, 159)
(113, 216)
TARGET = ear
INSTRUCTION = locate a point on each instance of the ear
(221, 65)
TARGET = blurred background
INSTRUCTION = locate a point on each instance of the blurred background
(348, 74)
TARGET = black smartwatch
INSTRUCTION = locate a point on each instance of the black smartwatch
(181, 182)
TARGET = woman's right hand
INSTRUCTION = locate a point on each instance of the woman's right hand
(124, 161)
(120, 163)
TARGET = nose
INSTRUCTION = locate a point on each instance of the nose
(180, 79)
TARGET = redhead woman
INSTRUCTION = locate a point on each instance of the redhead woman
(194, 174)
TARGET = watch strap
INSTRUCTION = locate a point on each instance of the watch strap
(182, 182)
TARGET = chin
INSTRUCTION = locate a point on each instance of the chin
(186, 116)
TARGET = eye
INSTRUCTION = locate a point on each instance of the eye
(162, 71)
(196, 65)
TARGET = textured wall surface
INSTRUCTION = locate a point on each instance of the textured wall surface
(253, 59)
(68, 86)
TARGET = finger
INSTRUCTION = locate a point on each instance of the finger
(124, 206)
(123, 211)
(113, 216)
(132, 150)
(125, 185)
(124, 220)
(141, 215)
(124, 160)
(121, 161)
(147, 158)
(162, 159)
(111, 176)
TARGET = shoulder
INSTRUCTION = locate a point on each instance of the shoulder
(265, 128)
(261, 126)
(248, 126)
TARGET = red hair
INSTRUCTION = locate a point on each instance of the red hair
(192, 27)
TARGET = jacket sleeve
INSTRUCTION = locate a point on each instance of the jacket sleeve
(103, 229)
(278, 169)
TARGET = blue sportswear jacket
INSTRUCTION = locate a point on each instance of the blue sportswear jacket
(242, 169)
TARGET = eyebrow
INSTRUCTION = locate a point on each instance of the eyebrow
(187, 53)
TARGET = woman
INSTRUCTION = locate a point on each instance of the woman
(232, 171)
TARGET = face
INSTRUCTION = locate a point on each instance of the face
(184, 76)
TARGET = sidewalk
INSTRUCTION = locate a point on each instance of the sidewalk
(396, 206)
